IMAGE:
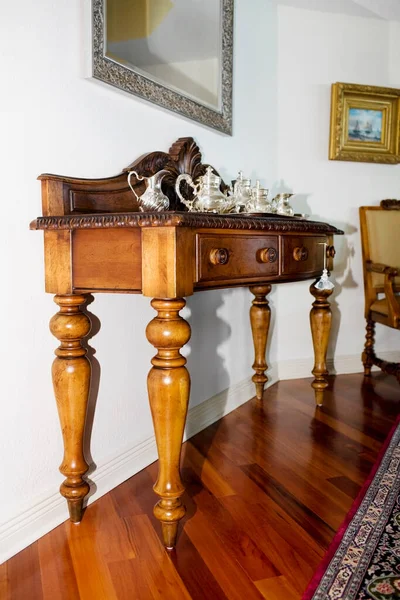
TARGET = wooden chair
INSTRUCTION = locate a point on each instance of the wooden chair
(380, 237)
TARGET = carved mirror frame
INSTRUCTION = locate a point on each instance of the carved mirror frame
(108, 71)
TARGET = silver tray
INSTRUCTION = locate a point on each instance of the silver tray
(271, 215)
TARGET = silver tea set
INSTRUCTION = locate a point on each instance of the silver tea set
(241, 197)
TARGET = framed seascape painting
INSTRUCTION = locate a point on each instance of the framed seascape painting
(365, 123)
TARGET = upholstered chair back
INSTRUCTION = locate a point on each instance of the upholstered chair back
(380, 230)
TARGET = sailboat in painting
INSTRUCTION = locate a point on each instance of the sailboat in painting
(357, 130)
(365, 125)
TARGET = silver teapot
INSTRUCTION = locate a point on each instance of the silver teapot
(208, 196)
(153, 198)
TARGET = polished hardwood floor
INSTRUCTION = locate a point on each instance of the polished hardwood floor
(267, 487)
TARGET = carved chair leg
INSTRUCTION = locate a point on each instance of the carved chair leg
(320, 320)
(71, 381)
(169, 387)
(368, 355)
(260, 316)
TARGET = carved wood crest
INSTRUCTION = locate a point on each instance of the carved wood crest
(184, 156)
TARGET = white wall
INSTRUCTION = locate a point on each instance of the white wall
(53, 120)
(316, 49)
(394, 53)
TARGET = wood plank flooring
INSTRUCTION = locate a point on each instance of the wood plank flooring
(267, 487)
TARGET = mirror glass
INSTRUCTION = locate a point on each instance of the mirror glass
(175, 43)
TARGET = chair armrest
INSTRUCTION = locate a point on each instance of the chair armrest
(393, 304)
(380, 268)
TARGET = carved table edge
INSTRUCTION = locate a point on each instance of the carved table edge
(176, 219)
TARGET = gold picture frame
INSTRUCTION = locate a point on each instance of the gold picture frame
(365, 122)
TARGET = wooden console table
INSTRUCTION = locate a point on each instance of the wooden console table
(97, 241)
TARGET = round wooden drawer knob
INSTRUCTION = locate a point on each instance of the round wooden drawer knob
(219, 256)
(267, 255)
(330, 251)
(300, 253)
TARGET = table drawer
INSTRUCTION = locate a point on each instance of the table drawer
(229, 257)
(302, 254)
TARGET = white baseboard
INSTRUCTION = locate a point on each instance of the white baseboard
(300, 368)
(28, 526)
(31, 524)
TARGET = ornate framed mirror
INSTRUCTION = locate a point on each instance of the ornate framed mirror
(175, 53)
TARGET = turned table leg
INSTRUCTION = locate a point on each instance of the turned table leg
(320, 320)
(169, 386)
(260, 316)
(71, 381)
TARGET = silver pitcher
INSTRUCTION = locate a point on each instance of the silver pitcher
(153, 198)
(207, 194)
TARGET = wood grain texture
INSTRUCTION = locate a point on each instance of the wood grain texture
(167, 262)
(168, 385)
(107, 260)
(320, 321)
(266, 488)
(260, 316)
(71, 373)
(56, 566)
(57, 260)
(302, 254)
(243, 257)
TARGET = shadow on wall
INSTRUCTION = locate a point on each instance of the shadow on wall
(299, 202)
(345, 252)
(342, 275)
(206, 365)
(343, 272)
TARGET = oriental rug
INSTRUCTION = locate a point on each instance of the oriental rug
(363, 561)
